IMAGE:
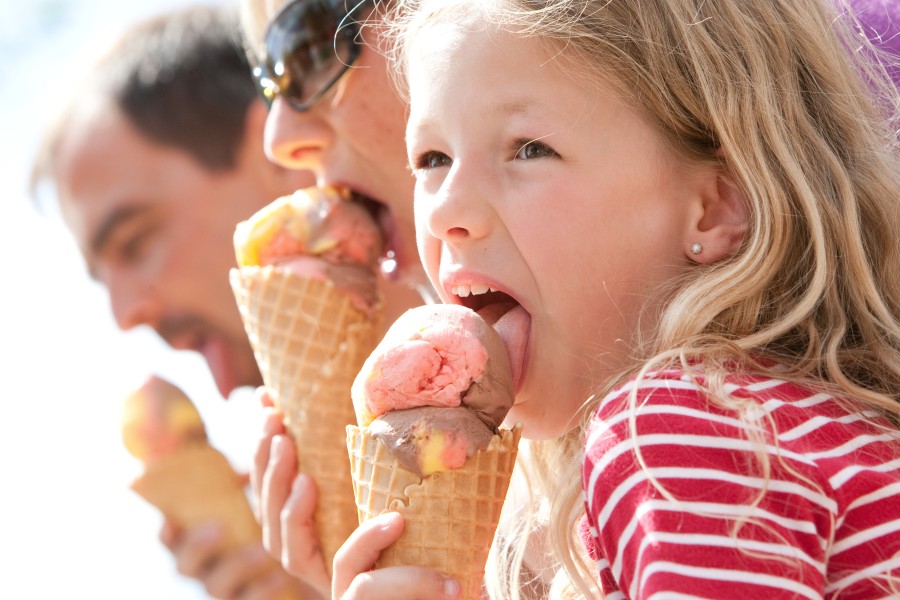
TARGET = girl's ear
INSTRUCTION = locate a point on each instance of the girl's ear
(719, 223)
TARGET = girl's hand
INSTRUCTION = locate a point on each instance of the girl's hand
(354, 578)
(285, 503)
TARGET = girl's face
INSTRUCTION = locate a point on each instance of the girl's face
(551, 192)
(353, 137)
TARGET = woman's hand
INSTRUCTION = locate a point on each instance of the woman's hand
(355, 579)
(285, 503)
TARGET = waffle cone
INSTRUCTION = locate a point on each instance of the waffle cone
(310, 342)
(196, 485)
(450, 517)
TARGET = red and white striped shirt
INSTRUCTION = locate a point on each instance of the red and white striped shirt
(824, 522)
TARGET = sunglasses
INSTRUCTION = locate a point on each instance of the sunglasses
(309, 45)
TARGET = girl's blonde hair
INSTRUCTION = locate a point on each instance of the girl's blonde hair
(784, 97)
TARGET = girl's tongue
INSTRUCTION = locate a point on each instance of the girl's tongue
(513, 323)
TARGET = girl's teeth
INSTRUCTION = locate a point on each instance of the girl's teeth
(471, 290)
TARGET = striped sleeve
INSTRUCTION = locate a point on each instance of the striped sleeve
(676, 505)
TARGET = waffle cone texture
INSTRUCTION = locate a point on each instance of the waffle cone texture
(450, 517)
(310, 342)
(196, 485)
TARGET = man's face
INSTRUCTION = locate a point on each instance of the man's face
(155, 227)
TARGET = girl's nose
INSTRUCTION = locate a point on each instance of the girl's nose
(459, 210)
(294, 139)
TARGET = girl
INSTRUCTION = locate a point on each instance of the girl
(687, 212)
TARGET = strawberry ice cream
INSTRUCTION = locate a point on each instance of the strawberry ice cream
(436, 389)
(158, 420)
(319, 233)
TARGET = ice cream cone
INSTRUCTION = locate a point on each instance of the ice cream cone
(450, 517)
(197, 485)
(310, 342)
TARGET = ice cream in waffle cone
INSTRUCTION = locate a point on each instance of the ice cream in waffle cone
(430, 401)
(449, 517)
(309, 334)
(188, 480)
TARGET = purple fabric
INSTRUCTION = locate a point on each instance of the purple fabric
(880, 21)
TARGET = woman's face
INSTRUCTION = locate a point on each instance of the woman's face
(354, 137)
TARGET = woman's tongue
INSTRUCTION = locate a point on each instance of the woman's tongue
(513, 324)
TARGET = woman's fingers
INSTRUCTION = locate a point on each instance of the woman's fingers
(301, 553)
(272, 426)
(275, 489)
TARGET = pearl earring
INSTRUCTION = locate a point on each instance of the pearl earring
(696, 248)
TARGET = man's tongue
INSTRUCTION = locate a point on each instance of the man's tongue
(513, 324)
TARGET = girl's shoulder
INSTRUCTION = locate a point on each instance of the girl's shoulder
(789, 418)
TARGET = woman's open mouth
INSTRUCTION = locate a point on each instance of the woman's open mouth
(382, 216)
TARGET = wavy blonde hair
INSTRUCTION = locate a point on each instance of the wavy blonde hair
(783, 97)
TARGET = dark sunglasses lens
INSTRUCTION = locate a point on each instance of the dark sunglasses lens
(265, 87)
(305, 54)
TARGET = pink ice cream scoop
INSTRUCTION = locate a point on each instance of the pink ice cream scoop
(437, 387)
(158, 419)
(316, 232)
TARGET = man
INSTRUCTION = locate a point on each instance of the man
(154, 160)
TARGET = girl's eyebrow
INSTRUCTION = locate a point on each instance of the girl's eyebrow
(515, 107)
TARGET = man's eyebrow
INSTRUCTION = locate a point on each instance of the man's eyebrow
(100, 238)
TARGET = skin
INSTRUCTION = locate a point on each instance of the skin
(537, 161)
(352, 137)
(504, 172)
(156, 231)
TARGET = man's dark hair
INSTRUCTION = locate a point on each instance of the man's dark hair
(183, 80)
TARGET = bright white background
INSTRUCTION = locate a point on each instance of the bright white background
(69, 525)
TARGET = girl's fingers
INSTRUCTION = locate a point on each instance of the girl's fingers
(401, 583)
(361, 550)
(353, 564)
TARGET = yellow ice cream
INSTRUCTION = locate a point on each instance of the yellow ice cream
(158, 419)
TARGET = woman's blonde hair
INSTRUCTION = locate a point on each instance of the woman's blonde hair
(784, 97)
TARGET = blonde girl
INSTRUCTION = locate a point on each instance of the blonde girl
(685, 214)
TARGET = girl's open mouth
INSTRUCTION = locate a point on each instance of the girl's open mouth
(509, 319)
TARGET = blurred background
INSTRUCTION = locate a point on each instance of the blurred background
(69, 526)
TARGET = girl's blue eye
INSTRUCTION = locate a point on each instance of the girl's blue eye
(532, 149)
